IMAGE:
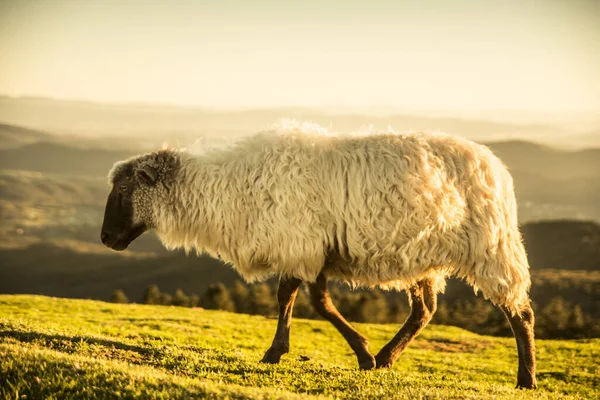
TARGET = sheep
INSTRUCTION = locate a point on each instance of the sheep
(389, 210)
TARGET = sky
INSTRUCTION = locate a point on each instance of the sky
(533, 55)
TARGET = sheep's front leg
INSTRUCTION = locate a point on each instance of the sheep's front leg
(286, 295)
(522, 326)
(423, 306)
(322, 303)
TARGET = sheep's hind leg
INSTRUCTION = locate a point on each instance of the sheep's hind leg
(423, 306)
(286, 295)
(324, 306)
(522, 327)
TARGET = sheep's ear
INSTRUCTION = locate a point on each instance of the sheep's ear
(147, 174)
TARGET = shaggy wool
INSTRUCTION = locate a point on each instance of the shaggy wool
(382, 209)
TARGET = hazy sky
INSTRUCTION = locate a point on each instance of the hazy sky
(541, 55)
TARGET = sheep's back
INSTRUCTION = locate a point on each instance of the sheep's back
(381, 209)
(400, 205)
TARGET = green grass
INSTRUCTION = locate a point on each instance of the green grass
(58, 348)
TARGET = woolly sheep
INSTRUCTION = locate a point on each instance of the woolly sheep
(397, 211)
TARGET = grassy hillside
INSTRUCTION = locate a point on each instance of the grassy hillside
(57, 348)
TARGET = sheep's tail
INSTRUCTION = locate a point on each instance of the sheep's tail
(512, 255)
(518, 298)
(514, 289)
(499, 267)
(502, 277)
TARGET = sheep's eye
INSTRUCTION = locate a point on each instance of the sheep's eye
(123, 188)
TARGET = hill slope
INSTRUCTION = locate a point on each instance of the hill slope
(537, 159)
(550, 183)
(563, 244)
(59, 158)
(14, 136)
(60, 270)
(86, 349)
(153, 121)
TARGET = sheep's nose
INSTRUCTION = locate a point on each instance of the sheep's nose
(104, 237)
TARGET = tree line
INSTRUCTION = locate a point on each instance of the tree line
(556, 317)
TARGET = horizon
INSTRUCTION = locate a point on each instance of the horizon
(186, 124)
(381, 110)
(434, 57)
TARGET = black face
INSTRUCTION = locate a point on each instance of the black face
(118, 229)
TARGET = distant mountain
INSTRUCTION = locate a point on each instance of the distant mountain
(538, 159)
(156, 123)
(572, 245)
(542, 198)
(52, 189)
(61, 271)
(15, 136)
(66, 271)
(58, 158)
(40, 206)
(39, 151)
(550, 183)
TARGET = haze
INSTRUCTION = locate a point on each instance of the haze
(455, 56)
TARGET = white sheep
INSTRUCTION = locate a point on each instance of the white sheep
(395, 211)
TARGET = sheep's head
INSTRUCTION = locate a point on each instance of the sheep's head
(138, 185)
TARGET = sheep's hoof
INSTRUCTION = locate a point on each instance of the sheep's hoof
(526, 385)
(270, 359)
(367, 364)
(383, 362)
(272, 356)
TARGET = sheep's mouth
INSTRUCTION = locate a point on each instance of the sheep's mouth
(121, 243)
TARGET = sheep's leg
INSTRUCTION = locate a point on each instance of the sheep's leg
(324, 306)
(423, 305)
(286, 295)
(522, 327)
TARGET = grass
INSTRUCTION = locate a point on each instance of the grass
(58, 348)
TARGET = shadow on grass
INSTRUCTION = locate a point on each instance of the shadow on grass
(176, 320)
(134, 354)
(71, 344)
(171, 359)
(455, 346)
(558, 375)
